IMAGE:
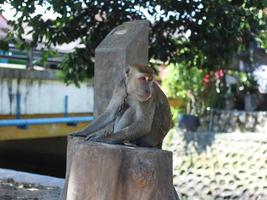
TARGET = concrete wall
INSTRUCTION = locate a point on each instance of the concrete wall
(228, 121)
(217, 166)
(44, 96)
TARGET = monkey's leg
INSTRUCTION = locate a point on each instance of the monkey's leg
(125, 120)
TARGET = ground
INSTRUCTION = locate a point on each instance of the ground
(11, 190)
(25, 186)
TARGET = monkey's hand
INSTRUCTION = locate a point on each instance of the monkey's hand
(79, 134)
(104, 137)
(102, 140)
(89, 137)
(98, 135)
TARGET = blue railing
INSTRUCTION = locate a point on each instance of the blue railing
(24, 123)
(42, 121)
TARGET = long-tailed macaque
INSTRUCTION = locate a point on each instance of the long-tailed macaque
(138, 112)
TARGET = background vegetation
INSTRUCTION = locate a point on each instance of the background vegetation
(201, 34)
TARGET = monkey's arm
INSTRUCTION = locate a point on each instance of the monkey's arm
(130, 133)
(108, 116)
(140, 127)
(99, 123)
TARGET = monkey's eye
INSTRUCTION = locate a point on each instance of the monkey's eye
(143, 78)
(149, 78)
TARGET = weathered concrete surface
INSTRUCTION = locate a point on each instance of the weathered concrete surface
(126, 44)
(97, 171)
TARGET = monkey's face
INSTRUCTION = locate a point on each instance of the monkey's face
(140, 84)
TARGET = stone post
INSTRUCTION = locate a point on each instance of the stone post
(97, 171)
(125, 44)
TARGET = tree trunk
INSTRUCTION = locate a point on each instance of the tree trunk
(97, 171)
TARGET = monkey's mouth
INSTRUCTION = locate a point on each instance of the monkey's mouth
(143, 98)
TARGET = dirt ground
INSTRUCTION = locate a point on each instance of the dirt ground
(12, 190)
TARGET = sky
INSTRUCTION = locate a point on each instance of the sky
(9, 13)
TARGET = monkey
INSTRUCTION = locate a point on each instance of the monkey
(138, 112)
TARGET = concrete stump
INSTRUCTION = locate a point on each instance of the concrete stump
(98, 171)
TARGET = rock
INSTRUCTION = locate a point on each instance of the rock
(116, 172)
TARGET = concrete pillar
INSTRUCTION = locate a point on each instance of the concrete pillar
(124, 45)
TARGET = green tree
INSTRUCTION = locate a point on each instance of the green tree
(187, 85)
(203, 34)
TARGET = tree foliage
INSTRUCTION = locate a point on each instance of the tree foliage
(186, 85)
(203, 34)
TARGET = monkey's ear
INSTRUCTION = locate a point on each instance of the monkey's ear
(127, 70)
